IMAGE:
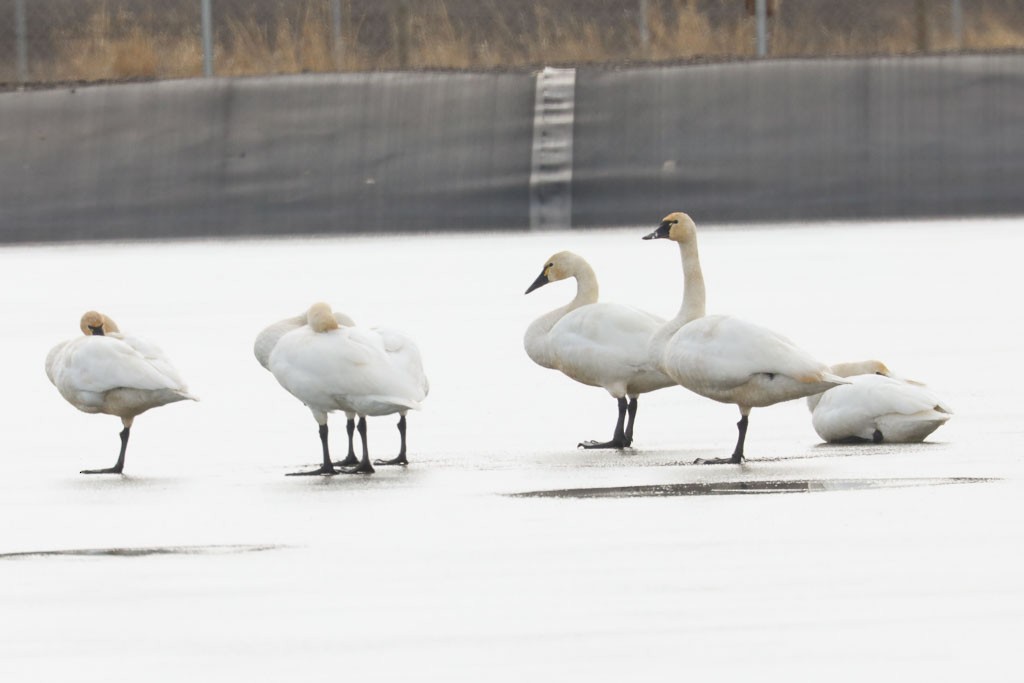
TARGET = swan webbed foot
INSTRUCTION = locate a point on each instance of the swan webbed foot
(618, 444)
(107, 470)
(350, 461)
(399, 460)
(364, 467)
(734, 460)
(324, 469)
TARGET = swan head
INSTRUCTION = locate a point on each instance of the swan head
(870, 367)
(562, 265)
(321, 318)
(864, 367)
(95, 323)
(677, 226)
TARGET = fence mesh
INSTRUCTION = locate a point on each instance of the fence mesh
(46, 41)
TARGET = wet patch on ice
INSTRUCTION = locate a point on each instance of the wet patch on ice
(142, 552)
(725, 488)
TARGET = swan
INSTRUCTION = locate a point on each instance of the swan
(597, 344)
(267, 339)
(724, 358)
(876, 406)
(108, 372)
(329, 364)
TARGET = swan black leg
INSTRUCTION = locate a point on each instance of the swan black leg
(119, 465)
(350, 460)
(327, 467)
(400, 460)
(631, 414)
(364, 466)
(737, 455)
(619, 439)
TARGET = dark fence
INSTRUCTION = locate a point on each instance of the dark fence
(754, 141)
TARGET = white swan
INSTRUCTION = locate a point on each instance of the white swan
(112, 373)
(876, 406)
(598, 344)
(329, 364)
(725, 358)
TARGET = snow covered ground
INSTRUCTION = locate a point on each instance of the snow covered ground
(204, 561)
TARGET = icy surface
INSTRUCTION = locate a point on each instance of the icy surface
(204, 561)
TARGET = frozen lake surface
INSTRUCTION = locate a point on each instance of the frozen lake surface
(839, 562)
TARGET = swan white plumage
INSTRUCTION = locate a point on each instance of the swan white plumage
(876, 406)
(598, 344)
(329, 364)
(108, 372)
(724, 358)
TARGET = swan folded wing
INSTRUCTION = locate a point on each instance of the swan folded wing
(99, 364)
(600, 343)
(336, 368)
(730, 351)
(405, 354)
(879, 395)
(154, 355)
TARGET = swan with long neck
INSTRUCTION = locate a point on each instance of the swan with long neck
(597, 344)
(107, 371)
(329, 364)
(724, 358)
(876, 406)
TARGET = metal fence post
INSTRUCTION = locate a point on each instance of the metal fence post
(645, 34)
(339, 46)
(761, 9)
(957, 17)
(921, 21)
(402, 30)
(21, 31)
(207, 19)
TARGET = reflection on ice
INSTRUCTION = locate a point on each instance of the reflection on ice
(722, 488)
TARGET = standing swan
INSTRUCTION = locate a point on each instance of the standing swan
(876, 406)
(112, 373)
(267, 339)
(329, 366)
(724, 358)
(598, 344)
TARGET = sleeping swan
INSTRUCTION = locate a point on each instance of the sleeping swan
(876, 406)
(331, 365)
(598, 344)
(108, 372)
(725, 358)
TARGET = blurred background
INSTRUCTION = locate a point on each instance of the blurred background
(190, 118)
(46, 41)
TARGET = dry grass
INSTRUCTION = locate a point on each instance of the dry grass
(297, 37)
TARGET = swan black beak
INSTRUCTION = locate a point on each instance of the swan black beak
(97, 331)
(660, 233)
(541, 280)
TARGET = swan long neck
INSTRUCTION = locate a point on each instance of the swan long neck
(586, 293)
(693, 305)
(694, 294)
(586, 286)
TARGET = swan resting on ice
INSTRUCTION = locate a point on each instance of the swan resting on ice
(108, 372)
(330, 364)
(876, 406)
(597, 344)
